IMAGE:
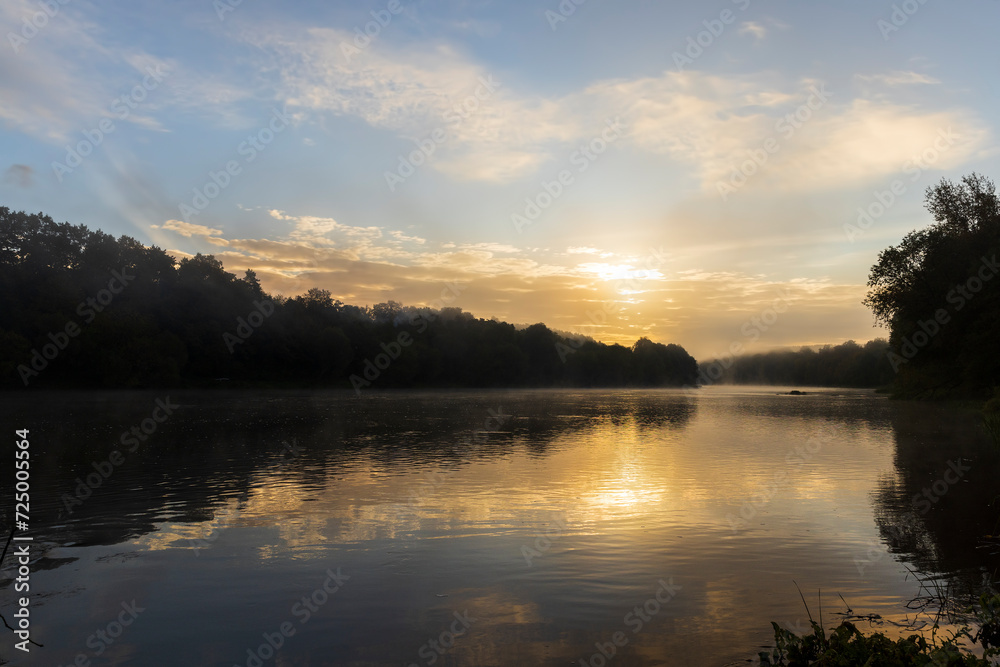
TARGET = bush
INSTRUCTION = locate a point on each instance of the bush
(846, 646)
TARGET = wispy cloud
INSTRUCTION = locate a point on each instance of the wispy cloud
(40, 91)
(67, 77)
(753, 28)
(899, 78)
(493, 134)
(187, 229)
(713, 123)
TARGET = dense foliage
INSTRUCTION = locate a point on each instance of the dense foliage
(845, 365)
(81, 308)
(939, 294)
(847, 646)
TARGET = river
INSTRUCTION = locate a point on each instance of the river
(657, 527)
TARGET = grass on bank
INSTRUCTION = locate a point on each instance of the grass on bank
(978, 623)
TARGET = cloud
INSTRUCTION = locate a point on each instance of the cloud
(617, 299)
(327, 231)
(492, 133)
(40, 87)
(717, 123)
(493, 247)
(403, 238)
(899, 78)
(40, 91)
(586, 250)
(866, 141)
(20, 175)
(753, 28)
(65, 79)
(188, 229)
(498, 133)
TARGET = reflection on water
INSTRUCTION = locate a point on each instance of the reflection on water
(933, 509)
(483, 528)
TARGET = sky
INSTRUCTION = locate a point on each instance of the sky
(695, 173)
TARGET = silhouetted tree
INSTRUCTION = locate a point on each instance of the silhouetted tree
(939, 294)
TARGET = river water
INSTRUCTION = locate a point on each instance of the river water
(663, 527)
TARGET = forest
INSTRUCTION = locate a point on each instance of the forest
(80, 309)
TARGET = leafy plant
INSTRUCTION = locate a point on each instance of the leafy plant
(847, 646)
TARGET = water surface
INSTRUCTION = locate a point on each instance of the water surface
(485, 528)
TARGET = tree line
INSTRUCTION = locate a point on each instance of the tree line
(846, 365)
(81, 308)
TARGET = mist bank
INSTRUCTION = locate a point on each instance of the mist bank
(846, 365)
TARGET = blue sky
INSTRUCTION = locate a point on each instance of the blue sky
(711, 154)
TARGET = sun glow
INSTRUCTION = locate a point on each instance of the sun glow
(606, 271)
